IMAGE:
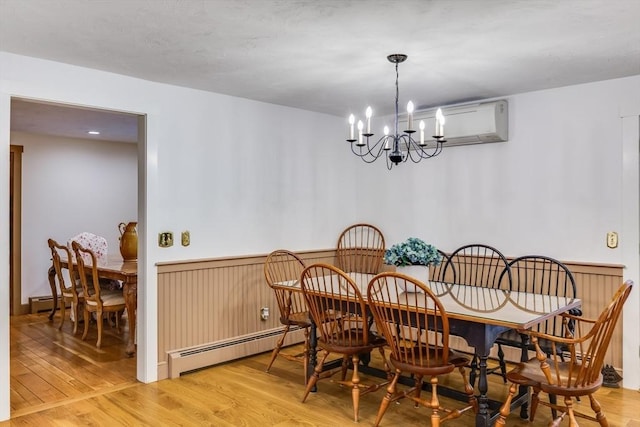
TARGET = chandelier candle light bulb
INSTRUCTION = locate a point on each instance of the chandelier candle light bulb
(352, 120)
(399, 146)
(368, 114)
(387, 142)
(439, 124)
(409, 116)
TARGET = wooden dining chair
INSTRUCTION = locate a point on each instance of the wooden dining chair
(340, 315)
(360, 249)
(436, 272)
(416, 328)
(97, 300)
(283, 266)
(479, 265)
(484, 266)
(579, 375)
(543, 275)
(70, 292)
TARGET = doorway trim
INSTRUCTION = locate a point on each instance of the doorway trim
(630, 245)
(15, 219)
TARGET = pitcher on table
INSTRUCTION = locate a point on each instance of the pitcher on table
(129, 241)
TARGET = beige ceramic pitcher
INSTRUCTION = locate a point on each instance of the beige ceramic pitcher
(129, 241)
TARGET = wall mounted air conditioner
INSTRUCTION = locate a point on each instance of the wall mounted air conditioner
(465, 124)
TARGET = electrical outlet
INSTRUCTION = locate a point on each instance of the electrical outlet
(264, 313)
(186, 238)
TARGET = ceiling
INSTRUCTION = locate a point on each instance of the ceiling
(327, 56)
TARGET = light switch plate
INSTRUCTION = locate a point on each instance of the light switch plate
(612, 239)
(165, 239)
(186, 238)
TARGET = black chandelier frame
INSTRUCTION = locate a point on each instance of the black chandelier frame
(399, 147)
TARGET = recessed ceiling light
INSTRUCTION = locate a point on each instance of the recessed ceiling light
(93, 132)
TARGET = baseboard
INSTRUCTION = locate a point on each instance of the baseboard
(42, 303)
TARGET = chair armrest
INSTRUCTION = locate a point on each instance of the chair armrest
(547, 337)
(576, 314)
(572, 322)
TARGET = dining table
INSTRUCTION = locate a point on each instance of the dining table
(111, 267)
(478, 315)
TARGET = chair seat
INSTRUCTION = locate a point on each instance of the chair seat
(530, 374)
(109, 299)
(298, 319)
(354, 345)
(69, 294)
(431, 364)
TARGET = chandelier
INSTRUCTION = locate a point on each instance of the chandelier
(398, 147)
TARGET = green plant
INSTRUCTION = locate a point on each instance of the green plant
(412, 251)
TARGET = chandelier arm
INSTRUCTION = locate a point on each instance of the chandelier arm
(372, 152)
(417, 152)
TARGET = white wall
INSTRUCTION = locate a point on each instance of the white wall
(553, 188)
(70, 186)
(247, 177)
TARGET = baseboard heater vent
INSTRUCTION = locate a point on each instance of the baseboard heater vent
(43, 303)
(189, 359)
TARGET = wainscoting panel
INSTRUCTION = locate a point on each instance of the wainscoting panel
(209, 310)
(596, 285)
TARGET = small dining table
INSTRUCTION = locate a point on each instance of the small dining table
(478, 315)
(113, 267)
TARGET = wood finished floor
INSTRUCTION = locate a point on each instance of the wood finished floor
(58, 380)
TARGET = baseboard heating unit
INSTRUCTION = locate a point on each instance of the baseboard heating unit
(202, 356)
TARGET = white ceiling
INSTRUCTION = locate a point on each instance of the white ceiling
(330, 55)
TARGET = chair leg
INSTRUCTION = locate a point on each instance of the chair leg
(99, 321)
(553, 399)
(63, 308)
(435, 403)
(276, 350)
(535, 398)
(600, 417)
(344, 367)
(74, 309)
(506, 406)
(86, 323)
(117, 314)
(305, 354)
(384, 405)
(503, 364)
(473, 401)
(387, 369)
(355, 390)
(418, 389)
(474, 370)
(316, 375)
(568, 401)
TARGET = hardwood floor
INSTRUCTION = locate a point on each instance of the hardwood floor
(49, 366)
(58, 380)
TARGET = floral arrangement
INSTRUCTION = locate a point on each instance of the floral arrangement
(412, 251)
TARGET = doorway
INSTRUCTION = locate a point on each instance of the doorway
(39, 124)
